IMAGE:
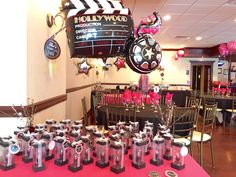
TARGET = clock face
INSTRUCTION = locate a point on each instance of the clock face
(144, 55)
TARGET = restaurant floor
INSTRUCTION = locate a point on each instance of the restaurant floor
(224, 141)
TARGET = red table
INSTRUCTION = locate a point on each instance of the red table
(192, 169)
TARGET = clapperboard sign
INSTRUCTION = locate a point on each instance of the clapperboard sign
(97, 28)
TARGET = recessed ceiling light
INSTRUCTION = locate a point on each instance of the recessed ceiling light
(230, 2)
(198, 38)
(166, 17)
(235, 19)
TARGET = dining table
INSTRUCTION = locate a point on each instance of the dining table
(146, 113)
(223, 102)
(179, 96)
(192, 169)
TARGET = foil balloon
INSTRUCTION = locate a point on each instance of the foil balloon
(104, 60)
(97, 29)
(83, 67)
(231, 45)
(144, 55)
(120, 63)
(151, 25)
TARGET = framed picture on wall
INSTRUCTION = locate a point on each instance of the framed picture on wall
(233, 67)
(219, 70)
(225, 72)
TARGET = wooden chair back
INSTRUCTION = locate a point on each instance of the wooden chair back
(208, 119)
(116, 113)
(85, 114)
(183, 121)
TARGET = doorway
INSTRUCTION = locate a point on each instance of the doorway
(201, 76)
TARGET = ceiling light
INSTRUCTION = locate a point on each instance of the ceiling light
(235, 19)
(198, 38)
(230, 2)
(166, 17)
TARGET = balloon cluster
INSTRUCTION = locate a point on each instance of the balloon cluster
(151, 25)
(179, 53)
(227, 48)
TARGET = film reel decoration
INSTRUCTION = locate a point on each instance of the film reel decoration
(78, 148)
(51, 145)
(90, 144)
(66, 144)
(14, 148)
(144, 55)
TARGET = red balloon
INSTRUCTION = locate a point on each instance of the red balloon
(120, 63)
(231, 45)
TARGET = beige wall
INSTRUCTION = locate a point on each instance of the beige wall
(46, 78)
(175, 71)
(73, 80)
(35, 76)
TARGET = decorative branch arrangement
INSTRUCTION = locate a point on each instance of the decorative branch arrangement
(27, 111)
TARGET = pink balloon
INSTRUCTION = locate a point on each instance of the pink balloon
(155, 30)
(231, 45)
(143, 21)
(223, 50)
(146, 30)
(150, 19)
(151, 31)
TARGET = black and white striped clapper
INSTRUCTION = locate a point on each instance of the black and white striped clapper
(74, 7)
(97, 28)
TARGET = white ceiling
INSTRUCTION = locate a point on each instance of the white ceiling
(213, 20)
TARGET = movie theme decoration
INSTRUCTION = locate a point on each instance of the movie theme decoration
(120, 63)
(104, 60)
(97, 28)
(83, 66)
(145, 53)
(179, 54)
(52, 49)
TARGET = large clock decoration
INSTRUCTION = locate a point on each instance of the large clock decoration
(145, 53)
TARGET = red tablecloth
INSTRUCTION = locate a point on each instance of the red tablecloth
(192, 169)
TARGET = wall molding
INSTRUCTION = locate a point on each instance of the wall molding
(109, 83)
(127, 84)
(7, 111)
(74, 89)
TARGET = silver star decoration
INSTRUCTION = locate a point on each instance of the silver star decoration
(149, 53)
